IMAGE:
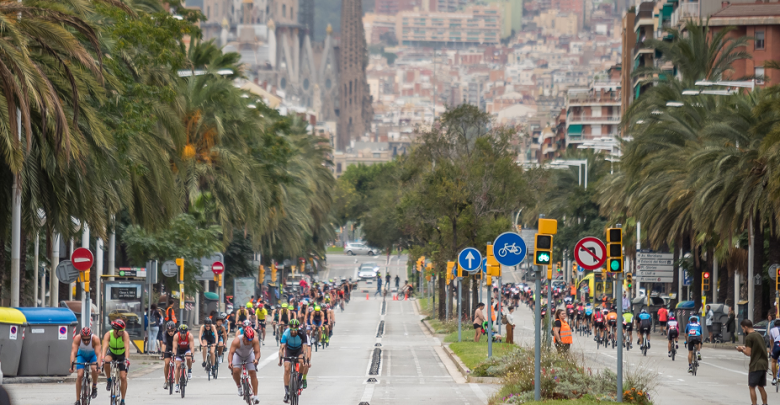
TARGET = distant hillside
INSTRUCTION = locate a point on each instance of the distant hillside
(329, 12)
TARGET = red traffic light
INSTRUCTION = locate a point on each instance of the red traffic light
(706, 275)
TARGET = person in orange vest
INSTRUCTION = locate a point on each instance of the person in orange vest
(562, 332)
(170, 313)
(573, 290)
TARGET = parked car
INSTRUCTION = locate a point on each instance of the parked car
(356, 248)
(368, 271)
(128, 316)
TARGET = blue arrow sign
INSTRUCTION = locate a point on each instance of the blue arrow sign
(469, 259)
(484, 265)
(509, 249)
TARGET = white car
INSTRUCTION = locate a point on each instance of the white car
(357, 248)
(368, 271)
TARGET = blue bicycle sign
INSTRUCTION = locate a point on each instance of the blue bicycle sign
(509, 249)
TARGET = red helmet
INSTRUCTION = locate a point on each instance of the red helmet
(249, 333)
(86, 333)
(118, 324)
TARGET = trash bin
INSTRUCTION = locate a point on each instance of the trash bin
(210, 301)
(11, 321)
(48, 336)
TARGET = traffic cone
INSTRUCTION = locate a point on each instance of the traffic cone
(366, 296)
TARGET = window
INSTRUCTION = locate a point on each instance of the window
(284, 10)
(292, 13)
(759, 41)
(759, 73)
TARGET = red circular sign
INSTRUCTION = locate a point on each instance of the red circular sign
(590, 253)
(82, 259)
(217, 267)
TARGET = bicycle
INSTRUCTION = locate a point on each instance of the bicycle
(315, 336)
(171, 377)
(183, 376)
(116, 382)
(777, 376)
(674, 350)
(213, 368)
(86, 382)
(695, 364)
(513, 249)
(645, 344)
(246, 384)
(295, 379)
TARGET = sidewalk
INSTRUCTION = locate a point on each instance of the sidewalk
(140, 365)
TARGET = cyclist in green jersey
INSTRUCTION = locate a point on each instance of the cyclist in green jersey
(628, 327)
(116, 342)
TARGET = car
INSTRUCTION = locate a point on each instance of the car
(358, 248)
(128, 316)
(368, 271)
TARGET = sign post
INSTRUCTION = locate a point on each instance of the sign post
(469, 259)
(180, 263)
(82, 260)
(218, 268)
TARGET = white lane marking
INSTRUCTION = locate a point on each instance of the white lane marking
(368, 393)
(478, 392)
(461, 396)
(267, 360)
(388, 369)
(417, 365)
(724, 368)
(680, 379)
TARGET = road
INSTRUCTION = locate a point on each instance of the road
(413, 370)
(721, 378)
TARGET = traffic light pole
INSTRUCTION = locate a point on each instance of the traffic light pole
(548, 331)
(619, 300)
(538, 336)
(490, 320)
(498, 313)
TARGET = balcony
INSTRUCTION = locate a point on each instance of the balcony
(589, 119)
(594, 99)
(685, 11)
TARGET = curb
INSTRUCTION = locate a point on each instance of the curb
(140, 372)
(464, 371)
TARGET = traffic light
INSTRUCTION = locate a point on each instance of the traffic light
(273, 273)
(558, 267)
(705, 281)
(261, 274)
(615, 250)
(450, 270)
(629, 279)
(493, 268)
(460, 271)
(180, 263)
(543, 249)
(777, 280)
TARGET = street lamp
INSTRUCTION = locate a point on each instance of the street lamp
(746, 84)
(575, 162)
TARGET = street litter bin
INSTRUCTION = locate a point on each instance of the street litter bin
(48, 335)
(11, 321)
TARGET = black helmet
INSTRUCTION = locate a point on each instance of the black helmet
(208, 321)
(170, 325)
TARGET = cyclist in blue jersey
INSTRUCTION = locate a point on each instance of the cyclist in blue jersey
(644, 323)
(295, 343)
(693, 339)
(84, 349)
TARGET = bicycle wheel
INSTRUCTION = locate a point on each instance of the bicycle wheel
(209, 367)
(85, 388)
(674, 353)
(215, 370)
(247, 392)
(170, 380)
(182, 383)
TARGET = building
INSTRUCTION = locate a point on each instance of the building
(576, 7)
(474, 26)
(379, 28)
(393, 7)
(643, 55)
(628, 37)
(593, 112)
(761, 22)
(555, 23)
(355, 109)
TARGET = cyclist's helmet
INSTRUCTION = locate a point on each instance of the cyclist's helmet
(209, 321)
(86, 333)
(644, 310)
(223, 315)
(247, 323)
(170, 325)
(605, 311)
(326, 307)
(183, 328)
(118, 324)
(249, 333)
(294, 324)
(693, 318)
(672, 317)
(284, 306)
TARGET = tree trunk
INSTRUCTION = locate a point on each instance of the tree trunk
(731, 270)
(698, 264)
(708, 269)
(676, 260)
(726, 283)
(25, 289)
(759, 310)
(449, 300)
(442, 291)
(466, 299)
(474, 295)
(773, 257)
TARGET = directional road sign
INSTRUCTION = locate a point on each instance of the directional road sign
(132, 272)
(170, 269)
(590, 253)
(509, 249)
(469, 259)
(66, 273)
(82, 259)
(648, 279)
(217, 267)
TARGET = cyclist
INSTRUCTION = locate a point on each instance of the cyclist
(330, 321)
(643, 322)
(599, 324)
(245, 348)
(673, 332)
(693, 339)
(84, 349)
(316, 319)
(261, 313)
(774, 336)
(570, 310)
(242, 315)
(167, 348)
(222, 335)
(183, 342)
(208, 336)
(588, 315)
(294, 344)
(116, 341)
(628, 326)
(612, 322)
(580, 312)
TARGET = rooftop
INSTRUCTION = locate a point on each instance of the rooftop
(749, 10)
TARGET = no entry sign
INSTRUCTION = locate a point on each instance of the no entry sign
(217, 267)
(82, 259)
(590, 253)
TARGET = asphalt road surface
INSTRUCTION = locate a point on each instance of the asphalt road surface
(414, 370)
(721, 378)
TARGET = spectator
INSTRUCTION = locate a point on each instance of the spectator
(755, 348)
(510, 325)
(479, 317)
(708, 321)
(731, 324)
(378, 285)
(626, 302)
(562, 332)
(154, 328)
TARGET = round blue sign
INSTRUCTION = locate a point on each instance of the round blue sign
(509, 249)
(469, 259)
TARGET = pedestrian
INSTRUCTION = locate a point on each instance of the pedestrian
(154, 328)
(731, 325)
(774, 337)
(510, 324)
(708, 321)
(755, 348)
(626, 302)
(378, 286)
(562, 332)
(397, 281)
(170, 312)
(479, 317)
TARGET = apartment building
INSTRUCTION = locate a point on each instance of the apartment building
(477, 25)
(593, 112)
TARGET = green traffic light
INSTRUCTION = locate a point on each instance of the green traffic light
(614, 265)
(543, 258)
